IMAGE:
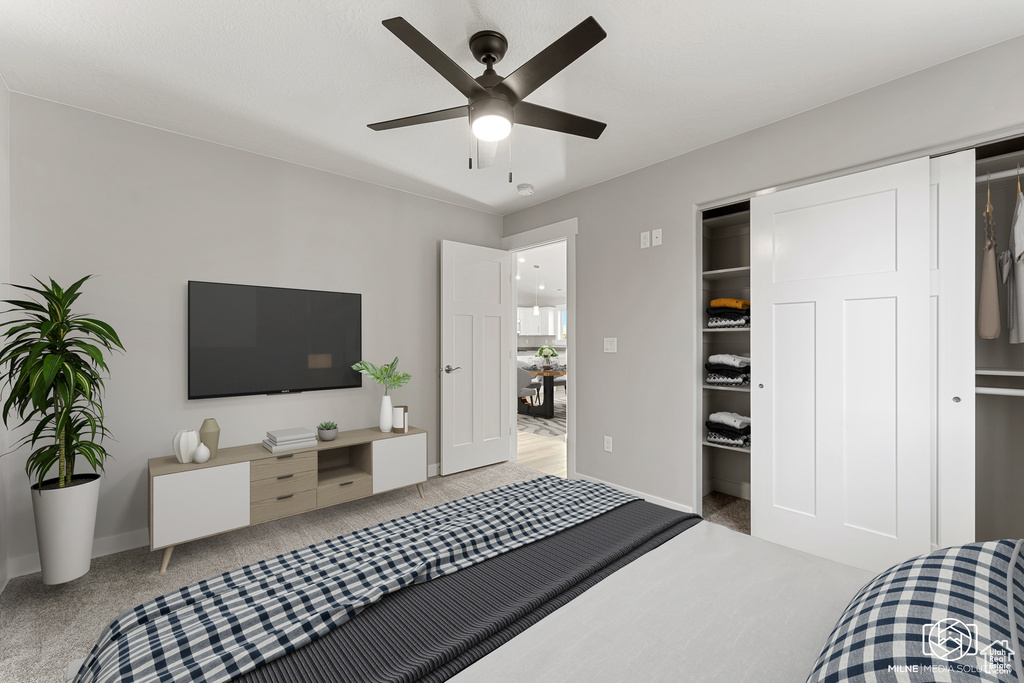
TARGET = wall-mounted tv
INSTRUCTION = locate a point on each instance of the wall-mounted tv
(246, 340)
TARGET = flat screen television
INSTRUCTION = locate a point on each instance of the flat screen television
(245, 340)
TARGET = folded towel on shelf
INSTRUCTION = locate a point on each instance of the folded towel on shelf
(728, 322)
(727, 313)
(725, 440)
(734, 420)
(729, 359)
(730, 303)
(726, 370)
(722, 380)
(726, 429)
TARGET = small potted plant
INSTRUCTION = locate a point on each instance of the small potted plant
(327, 430)
(547, 353)
(53, 365)
(391, 378)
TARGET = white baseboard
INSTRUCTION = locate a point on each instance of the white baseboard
(731, 488)
(432, 470)
(709, 485)
(108, 545)
(639, 494)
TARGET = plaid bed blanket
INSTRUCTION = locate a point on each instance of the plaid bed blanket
(219, 628)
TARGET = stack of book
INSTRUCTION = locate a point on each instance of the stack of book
(289, 439)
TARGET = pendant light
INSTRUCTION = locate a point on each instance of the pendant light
(536, 281)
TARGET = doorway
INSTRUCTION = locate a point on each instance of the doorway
(541, 350)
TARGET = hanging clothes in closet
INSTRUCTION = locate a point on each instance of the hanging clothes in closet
(989, 326)
(1013, 271)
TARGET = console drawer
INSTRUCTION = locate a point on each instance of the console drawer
(340, 492)
(280, 465)
(283, 506)
(282, 485)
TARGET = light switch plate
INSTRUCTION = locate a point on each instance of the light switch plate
(608, 443)
(611, 345)
(656, 238)
(645, 239)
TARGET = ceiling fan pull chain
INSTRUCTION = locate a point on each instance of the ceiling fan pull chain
(510, 157)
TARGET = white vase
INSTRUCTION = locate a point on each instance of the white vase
(65, 522)
(184, 444)
(386, 416)
(201, 454)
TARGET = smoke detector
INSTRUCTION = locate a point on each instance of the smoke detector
(525, 189)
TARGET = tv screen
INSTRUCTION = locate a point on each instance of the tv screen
(267, 340)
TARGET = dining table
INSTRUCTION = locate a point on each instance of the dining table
(547, 404)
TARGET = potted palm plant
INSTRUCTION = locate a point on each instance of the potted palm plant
(53, 365)
(391, 378)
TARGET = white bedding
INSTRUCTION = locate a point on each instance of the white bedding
(709, 605)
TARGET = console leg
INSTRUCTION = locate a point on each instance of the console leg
(420, 487)
(167, 559)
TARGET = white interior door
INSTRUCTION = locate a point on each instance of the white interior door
(840, 339)
(476, 333)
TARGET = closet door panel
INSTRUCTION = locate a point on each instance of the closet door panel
(862, 243)
(869, 445)
(792, 431)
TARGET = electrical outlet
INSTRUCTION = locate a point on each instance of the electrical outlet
(656, 238)
(645, 239)
(611, 345)
(608, 443)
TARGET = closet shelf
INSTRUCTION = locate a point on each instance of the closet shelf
(999, 391)
(726, 388)
(999, 372)
(726, 448)
(727, 329)
(727, 273)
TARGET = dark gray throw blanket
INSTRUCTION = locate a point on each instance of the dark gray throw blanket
(431, 631)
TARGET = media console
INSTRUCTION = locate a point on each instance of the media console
(247, 485)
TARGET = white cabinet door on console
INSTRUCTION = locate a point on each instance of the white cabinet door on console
(199, 503)
(398, 462)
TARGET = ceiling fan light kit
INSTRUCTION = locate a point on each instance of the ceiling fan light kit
(495, 102)
(491, 119)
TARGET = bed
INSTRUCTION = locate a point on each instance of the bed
(591, 585)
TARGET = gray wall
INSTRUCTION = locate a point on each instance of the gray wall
(644, 395)
(5, 276)
(148, 210)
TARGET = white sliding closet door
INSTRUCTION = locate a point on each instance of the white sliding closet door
(840, 341)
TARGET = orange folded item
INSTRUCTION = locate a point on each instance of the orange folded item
(741, 304)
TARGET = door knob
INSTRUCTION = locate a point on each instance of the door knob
(449, 369)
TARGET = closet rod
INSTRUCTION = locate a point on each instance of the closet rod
(998, 391)
(998, 175)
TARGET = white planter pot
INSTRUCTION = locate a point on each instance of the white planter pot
(386, 414)
(65, 521)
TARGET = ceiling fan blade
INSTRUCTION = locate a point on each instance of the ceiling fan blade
(486, 152)
(562, 122)
(551, 60)
(430, 117)
(433, 56)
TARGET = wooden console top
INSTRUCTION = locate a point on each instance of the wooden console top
(249, 452)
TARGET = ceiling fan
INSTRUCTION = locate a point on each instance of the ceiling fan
(496, 102)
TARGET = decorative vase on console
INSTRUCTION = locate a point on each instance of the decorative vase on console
(389, 376)
(209, 434)
(184, 444)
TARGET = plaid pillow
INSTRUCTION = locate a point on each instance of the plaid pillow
(955, 614)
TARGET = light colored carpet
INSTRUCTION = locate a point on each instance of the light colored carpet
(43, 628)
(547, 426)
(728, 511)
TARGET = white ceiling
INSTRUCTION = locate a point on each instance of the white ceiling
(300, 80)
(552, 271)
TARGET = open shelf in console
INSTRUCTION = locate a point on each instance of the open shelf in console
(345, 463)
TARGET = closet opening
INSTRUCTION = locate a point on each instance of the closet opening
(723, 317)
(999, 347)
